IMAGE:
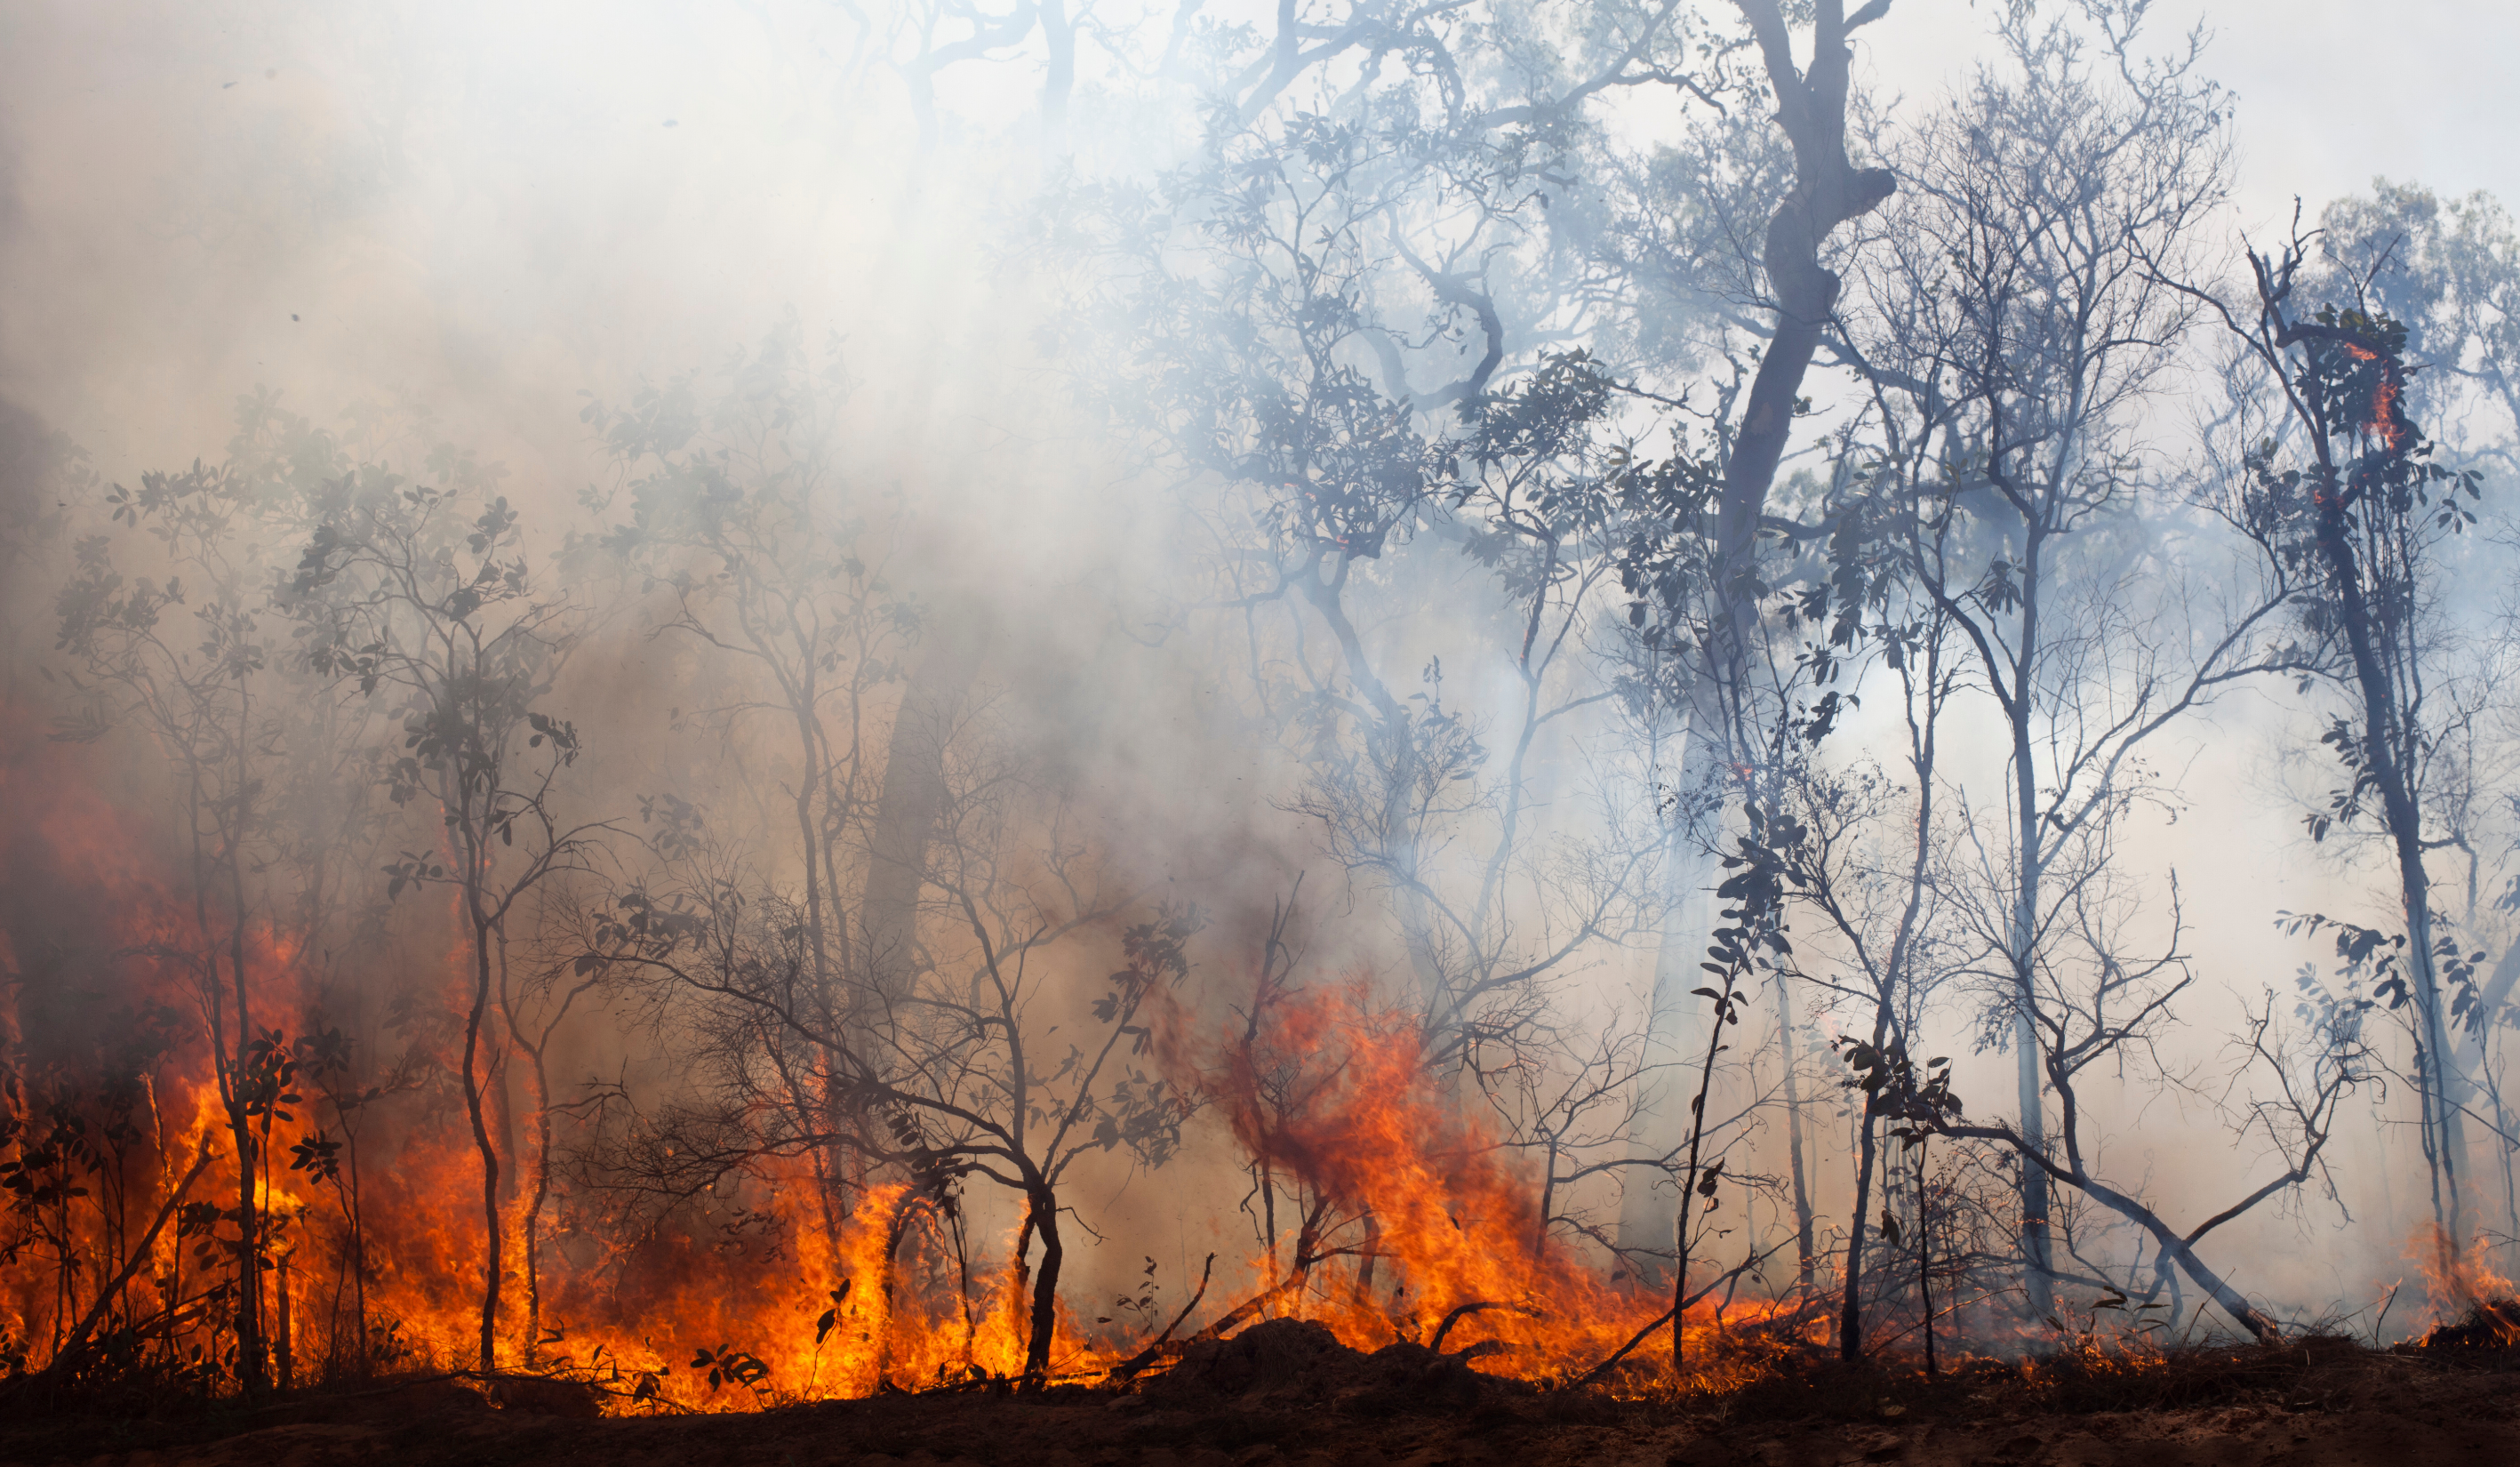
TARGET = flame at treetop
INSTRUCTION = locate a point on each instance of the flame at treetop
(2387, 422)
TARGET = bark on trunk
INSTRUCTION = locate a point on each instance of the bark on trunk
(1806, 1254)
(1828, 192)
(1045, 1293)
(1850, 1319)
(914, 800)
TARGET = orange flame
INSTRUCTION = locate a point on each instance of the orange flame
(1414, 1221)
(2386, 422)
(2462, 1288)
(1420, 1223)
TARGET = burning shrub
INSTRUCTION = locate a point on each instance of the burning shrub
(2490, 1324)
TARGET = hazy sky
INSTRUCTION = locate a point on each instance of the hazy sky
(2331, 92)
(482, 203)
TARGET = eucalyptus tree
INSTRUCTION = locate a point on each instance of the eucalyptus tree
(1694, 564)
(2448, 271)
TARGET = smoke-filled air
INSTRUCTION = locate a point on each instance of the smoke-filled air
(707, 708)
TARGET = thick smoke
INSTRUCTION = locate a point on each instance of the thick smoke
(623, 273)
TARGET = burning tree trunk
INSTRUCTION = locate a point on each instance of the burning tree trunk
(572, 980)
(1041, 1220)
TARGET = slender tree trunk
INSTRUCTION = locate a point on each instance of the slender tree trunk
(1045, 1292)
(1688, 1188)
(491, 1277)
(358, 1251)
(1269, 1213)
(252, 1202)
(1806, 1254)
(1849, 1320)
(1373, 1256)
(534, 1202)
(230, 1062)
(1547, 1193)
(2038, 1275)
(2382, 735)
(1925, 1262)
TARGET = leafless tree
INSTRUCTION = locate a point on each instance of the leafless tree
(2017, 321)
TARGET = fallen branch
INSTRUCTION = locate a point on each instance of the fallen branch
(1592, 1375)
(75, 1345)
(1127, 1370)
(1461, 1312)
(1659, 1320)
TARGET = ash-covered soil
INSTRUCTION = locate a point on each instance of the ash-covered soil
(1285, 1393)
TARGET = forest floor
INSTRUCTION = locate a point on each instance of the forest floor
(1281, 1397)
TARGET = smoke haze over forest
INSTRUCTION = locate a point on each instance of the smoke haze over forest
(1188, 588)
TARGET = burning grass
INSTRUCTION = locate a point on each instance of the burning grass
(1408, 1286)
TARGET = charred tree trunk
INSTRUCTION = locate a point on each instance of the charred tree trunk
(1044, 1220)
(1850, 1319)
(1925, 1262)
(473, 1097)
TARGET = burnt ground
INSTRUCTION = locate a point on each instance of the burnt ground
(1279, 1395)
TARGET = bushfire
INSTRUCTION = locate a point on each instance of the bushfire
(204, 1182)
